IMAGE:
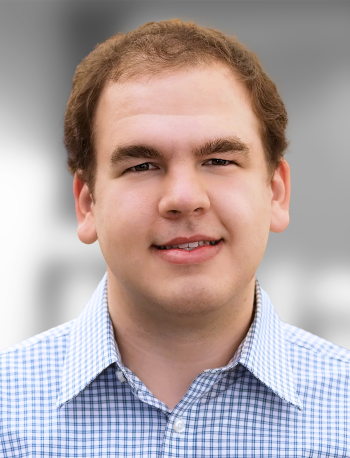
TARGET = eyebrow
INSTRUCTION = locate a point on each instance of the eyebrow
(220, 145)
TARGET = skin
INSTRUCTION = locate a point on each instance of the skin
(173, 321)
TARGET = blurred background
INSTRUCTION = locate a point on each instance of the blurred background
(47, 274)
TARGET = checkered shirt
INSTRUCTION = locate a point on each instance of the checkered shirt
(66, 393)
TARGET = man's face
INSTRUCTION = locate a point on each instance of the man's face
(207, 182)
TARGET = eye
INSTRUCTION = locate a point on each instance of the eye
(140, 167)
(221, 162)
(146, 166)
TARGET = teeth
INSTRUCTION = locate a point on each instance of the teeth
(188, 246)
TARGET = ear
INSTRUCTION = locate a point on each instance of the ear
(84, 208)
(280, 186)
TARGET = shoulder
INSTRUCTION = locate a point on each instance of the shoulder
(321, 370)
(29, 384)
(32, 358)
(30, 374)
(321, 375)
(305, 343)
(46, 339)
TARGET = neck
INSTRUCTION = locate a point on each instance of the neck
(168, 351)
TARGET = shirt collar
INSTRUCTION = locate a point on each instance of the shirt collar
(265, 351)
(91, 348)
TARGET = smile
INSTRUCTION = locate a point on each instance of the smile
(188, 246)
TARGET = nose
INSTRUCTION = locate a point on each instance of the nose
(184, 194)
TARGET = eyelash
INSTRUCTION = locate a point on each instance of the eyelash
(147, 170)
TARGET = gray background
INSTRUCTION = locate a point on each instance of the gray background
(47, 275)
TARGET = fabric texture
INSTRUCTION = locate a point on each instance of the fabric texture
(66, 393)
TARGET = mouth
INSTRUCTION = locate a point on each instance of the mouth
(196, 252)
(189, 246)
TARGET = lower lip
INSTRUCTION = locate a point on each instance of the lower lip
(200, 254)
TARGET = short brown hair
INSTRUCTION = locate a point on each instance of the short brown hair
(162, 46)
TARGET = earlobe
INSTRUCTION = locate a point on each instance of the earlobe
(280, 186)
(84, 209)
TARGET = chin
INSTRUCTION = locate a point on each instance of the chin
(195, 300)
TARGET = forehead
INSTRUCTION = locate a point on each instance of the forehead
(177, 107)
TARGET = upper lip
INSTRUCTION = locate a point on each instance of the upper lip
(194, 238)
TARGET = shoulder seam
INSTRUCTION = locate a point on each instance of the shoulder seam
(321, 353)
(46, 335)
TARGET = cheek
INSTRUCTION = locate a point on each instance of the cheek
(124, 214)
(245, 210)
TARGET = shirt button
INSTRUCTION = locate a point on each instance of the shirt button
(120, 376)
(179, 425)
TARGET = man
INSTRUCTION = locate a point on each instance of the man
(175, 137)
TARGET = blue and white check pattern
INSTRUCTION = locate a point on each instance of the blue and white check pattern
(65, 393)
